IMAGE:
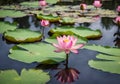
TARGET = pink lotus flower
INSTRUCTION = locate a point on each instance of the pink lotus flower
(117, 20)
(118, 9)
(67, 44)
(42, 3)
(97, 4)
(83, 6)
(44, 23)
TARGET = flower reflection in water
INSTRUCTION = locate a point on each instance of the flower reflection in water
(67, 75)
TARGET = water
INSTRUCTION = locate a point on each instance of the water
(110, 37)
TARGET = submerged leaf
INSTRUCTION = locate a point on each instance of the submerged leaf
(5, 26)
(22, 35)
(26, 77)
(37, 52)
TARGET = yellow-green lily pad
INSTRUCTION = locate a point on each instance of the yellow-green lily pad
(80, 31)
(37, 52)
(26, 77)
(5, 26)
(22, 35)
(11, 13)
(50, 17)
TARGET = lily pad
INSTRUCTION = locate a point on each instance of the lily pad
(67, 20)
(32, 4)
(51, 1)
(12, 7)
(80, 31)
(37, 52)
(108, 63)
(102, 49)
(22, 35)
(50, 17)
(5, 26)
(103, 13)
(11, 13)
(26, 77)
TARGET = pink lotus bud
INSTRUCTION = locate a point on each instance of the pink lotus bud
(97, 4)
(117, 20)
(83, 6)
(44, 23)
(118, 9)
(42, 3)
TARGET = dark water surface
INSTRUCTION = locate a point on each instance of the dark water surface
(79, 61)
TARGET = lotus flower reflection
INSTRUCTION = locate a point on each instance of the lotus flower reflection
(67, 75)
(97, 4)
(67, 44)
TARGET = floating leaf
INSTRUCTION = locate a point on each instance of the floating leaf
(51, 1)
(102, 49)
(32, 4)
(11, 13)
(108, 63)
(103, 12)
(5, 26)
(80, 31)
(50, 17)
(26, 77)
(38, 52)
(23, 35)
(67, 20)
(13, 7)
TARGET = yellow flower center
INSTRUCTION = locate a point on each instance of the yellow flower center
(66, 40)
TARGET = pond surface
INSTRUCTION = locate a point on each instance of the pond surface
(110, 37)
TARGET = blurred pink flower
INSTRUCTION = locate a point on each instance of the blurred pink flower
(117, 20)
(44, 23)
(83, 6)
(67, 75)
(97, 4)
(67, 44)
(118, 9)
(42, 3)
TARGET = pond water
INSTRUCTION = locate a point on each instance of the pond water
(110, 37)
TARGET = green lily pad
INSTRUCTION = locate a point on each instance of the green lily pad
(22, 35)
(26, 77)
(11, 13)
(108, 63)
(12, 7)
(102, 49)
(57, 8)
(38, 52)
(51, 1)
(5, 26)
(80, 31)
(32, 4)
(102, 13)
(35, 4)
(67, 20)
(50, 17)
